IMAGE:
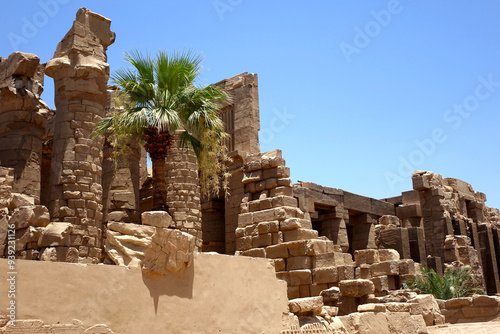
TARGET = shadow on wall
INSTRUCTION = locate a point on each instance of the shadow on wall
(178, 284)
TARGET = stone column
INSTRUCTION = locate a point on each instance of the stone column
(183, 190)
(80, 75)
(121, 176)
(22, 120)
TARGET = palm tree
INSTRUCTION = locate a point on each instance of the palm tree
(161, 99)
(455, 283)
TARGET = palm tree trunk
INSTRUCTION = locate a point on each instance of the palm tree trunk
(157, 143)
(159, 184)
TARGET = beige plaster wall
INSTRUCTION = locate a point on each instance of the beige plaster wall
(218, 294)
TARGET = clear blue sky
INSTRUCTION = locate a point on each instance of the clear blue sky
(355, 93)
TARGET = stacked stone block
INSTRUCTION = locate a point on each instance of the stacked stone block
(80, 75)
(23, 118)
(271, 225)
(19, 213)
(470, 309)
(384, 268)
(183, 190)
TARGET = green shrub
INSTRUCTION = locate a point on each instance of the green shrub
(455, 283)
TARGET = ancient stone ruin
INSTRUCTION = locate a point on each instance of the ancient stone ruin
(292, 258)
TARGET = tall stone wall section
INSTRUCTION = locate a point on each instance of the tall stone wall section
(23, 118)
(80, 75)
(271, 225)
(459, 227)
(183, 190)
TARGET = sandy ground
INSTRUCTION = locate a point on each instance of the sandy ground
(491, 327)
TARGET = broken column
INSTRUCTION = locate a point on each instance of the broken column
(22, 120)
(183, 190)
(80, 75)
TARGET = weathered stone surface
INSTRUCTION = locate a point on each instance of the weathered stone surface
(156, 218)
(59, 254)
(19, 200)
(330, 295)
(430, 309)
(306, 305)
(35, 215)
(383, 323)
(127, 246)
(372, 308)
(132, 229)
(457, 302)
(356, 288)
(486, 301)
(386, 268)
(170, 251)
(55, 234)
(388, 255)
(366, 256)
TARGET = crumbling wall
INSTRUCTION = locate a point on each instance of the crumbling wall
(23, 118)
(449, 210)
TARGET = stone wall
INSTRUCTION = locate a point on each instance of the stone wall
(449, 209)
(218, 294)
(477, 308)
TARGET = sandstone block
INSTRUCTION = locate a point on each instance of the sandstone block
(156, 218)
(299, 234)
(388, 255)
(55, 234)
(407, 267)
(34, 215)
(300, 277)
(19, 200)
(483, 300)
(385, 268)
(325, 275)
(171, 251)
(332, 311)
(366, 256)
(372, 308)
(363, 271)
(59, 254)
(346, 272)
(137, 230)
(302, 306)
(279, 264)
(277, 251)
(457, 302)
(330, 295)
(479, 311)
(381, 283)
(255, 252)
(398, 307)
(356, 288)
(299, 262)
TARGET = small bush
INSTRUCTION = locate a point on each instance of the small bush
(455, 283)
